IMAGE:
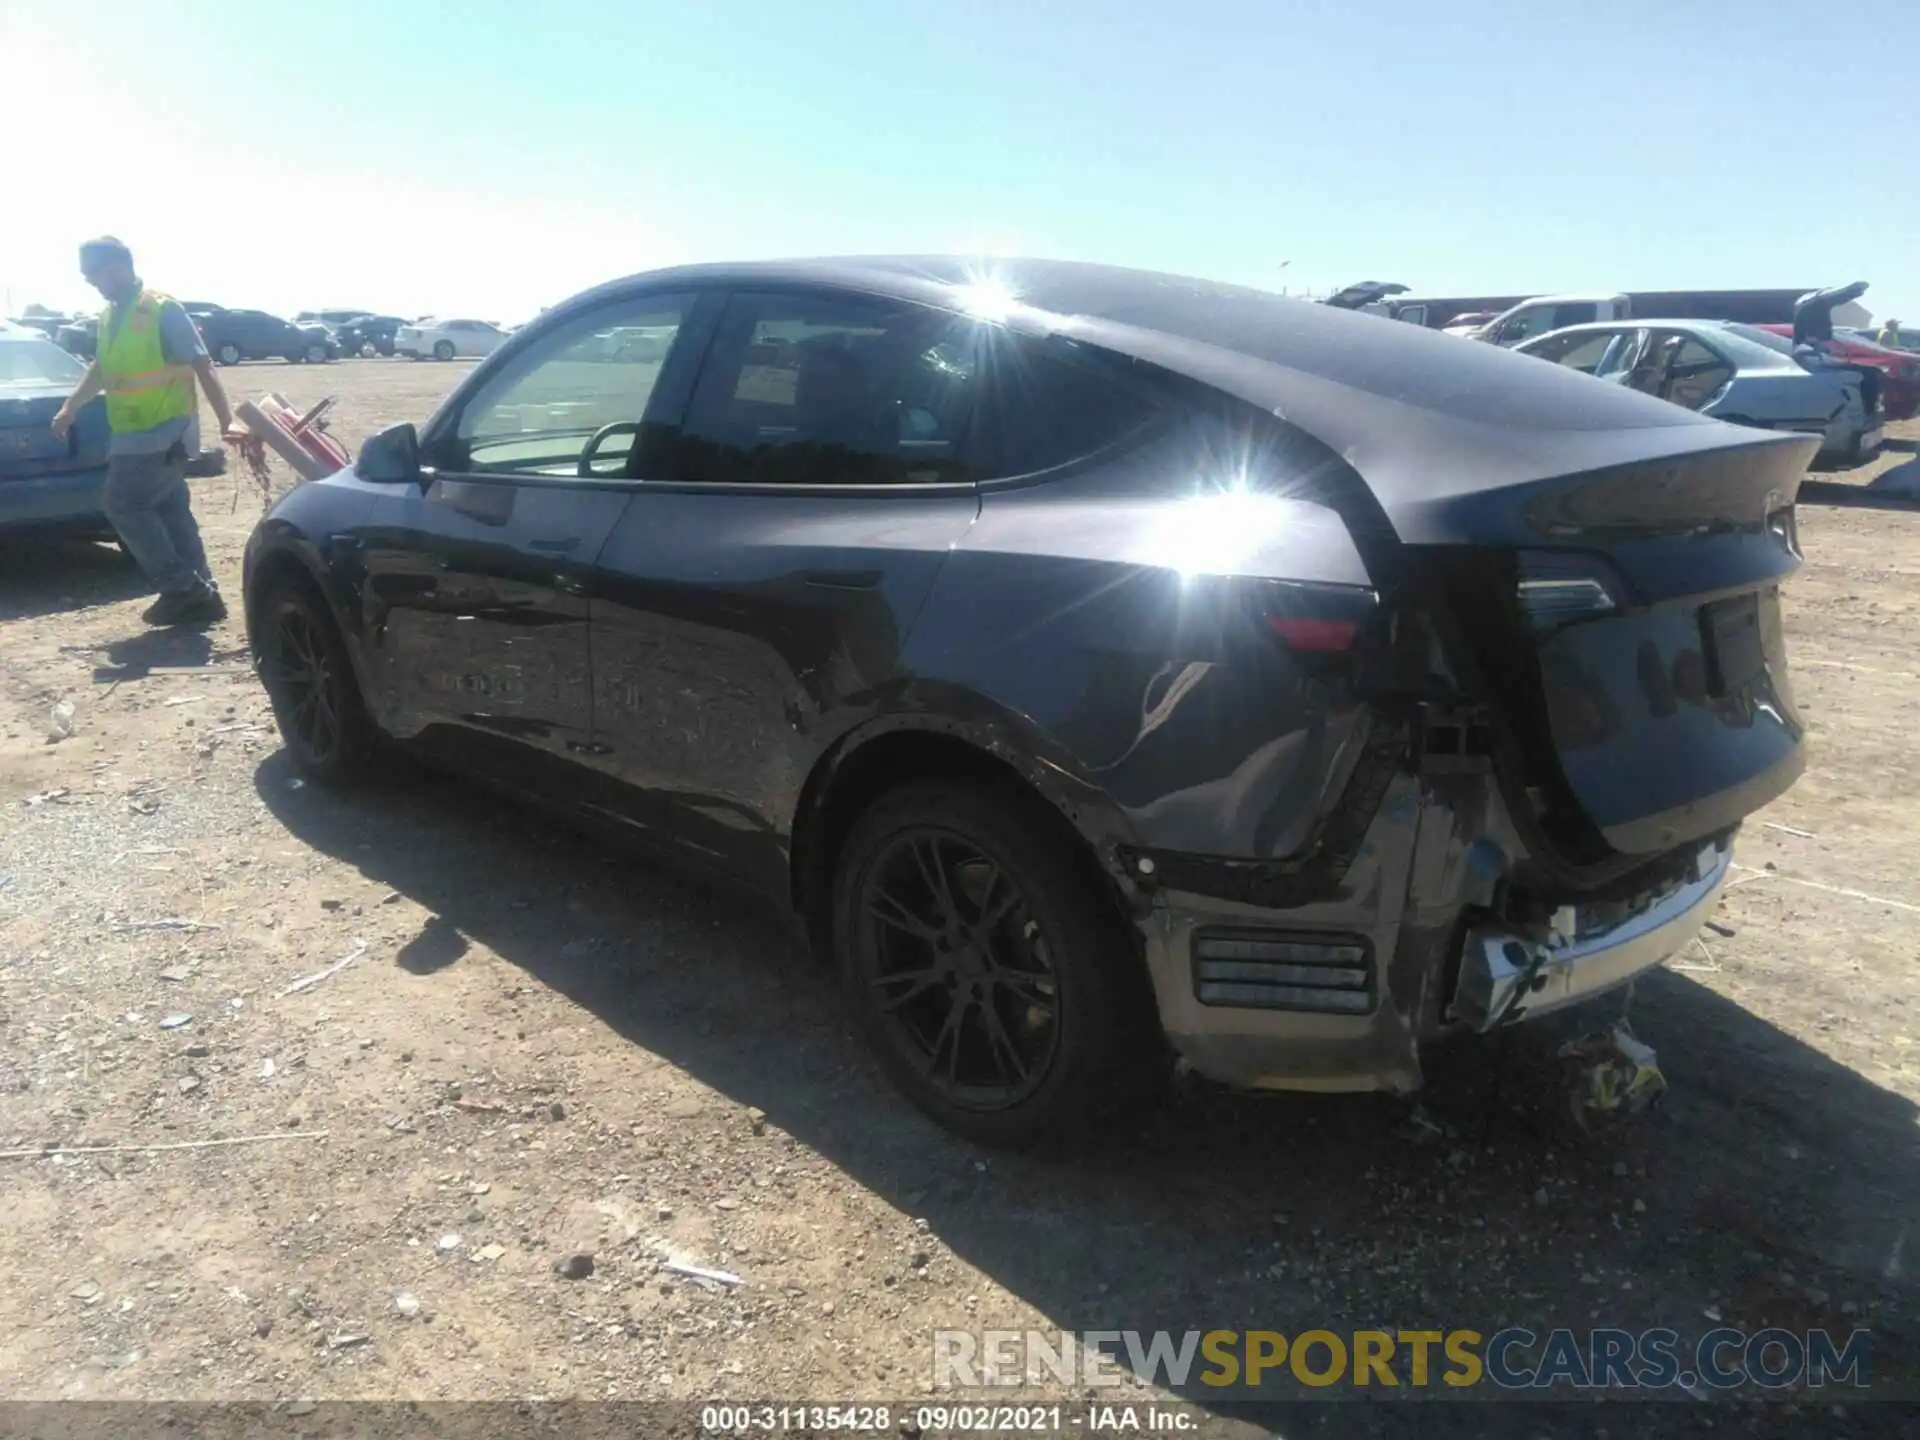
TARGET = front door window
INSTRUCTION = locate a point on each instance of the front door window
(572, 405)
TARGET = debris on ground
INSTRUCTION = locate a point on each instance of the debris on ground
(1615, 1075)
(701, 1272)
(307, 982)
(574, 1267)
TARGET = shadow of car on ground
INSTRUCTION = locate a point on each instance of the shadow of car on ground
(1479, 1207)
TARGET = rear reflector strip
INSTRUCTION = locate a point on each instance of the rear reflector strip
(1266, 971)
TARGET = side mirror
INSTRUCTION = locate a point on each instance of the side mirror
(391, 458)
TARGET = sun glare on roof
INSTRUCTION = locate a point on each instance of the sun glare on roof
(987, 297)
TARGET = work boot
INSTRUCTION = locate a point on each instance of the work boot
(201, 605)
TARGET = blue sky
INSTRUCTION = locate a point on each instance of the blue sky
(487, 157)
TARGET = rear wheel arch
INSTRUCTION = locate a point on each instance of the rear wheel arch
(891, 752)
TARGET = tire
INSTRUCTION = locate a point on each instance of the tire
(316, 699)
(316, 355)
(228, 354)
(385, 348)
(443, 349)
(1059, 1043)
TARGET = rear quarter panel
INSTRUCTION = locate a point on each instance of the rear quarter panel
(1107, 613)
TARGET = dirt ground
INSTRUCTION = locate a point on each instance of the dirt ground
(526, 1045)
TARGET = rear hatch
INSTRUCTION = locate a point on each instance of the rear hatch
(1626, 630)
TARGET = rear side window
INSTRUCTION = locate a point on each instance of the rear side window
(1696, 374)
(1044, 404)
(811, 389)
(1583, 313)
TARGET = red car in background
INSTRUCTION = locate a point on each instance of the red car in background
(1900, 372)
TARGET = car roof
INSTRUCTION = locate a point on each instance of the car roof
(1393, 400)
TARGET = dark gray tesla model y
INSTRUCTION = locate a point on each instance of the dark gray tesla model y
(1097, 661)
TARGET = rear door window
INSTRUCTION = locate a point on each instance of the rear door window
(1044, 404)
(822, 389)
(1649, 373)
(1696, 373)
(1583, 312)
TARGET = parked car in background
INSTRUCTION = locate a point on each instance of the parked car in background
(370, 334)
(236, 335)
(448, 339)
(1907, 342)
(45, 323)
(333, 319)
(1546, 313)
(646, 344)
(78, 335)
(48, 482)
(1898, 372)
(1737, 373)
(1099, 662)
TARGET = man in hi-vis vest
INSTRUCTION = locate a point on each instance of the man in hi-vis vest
(146, 358)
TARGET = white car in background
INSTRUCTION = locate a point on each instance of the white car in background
(448, 339)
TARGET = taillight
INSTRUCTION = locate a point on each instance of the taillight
(1315, 619)
(1312, 634)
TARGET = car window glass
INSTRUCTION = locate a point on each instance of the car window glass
(1695, 374)
(831, 390)
(1044, 404)
(1650, 370)
(536, 416)
(1525, 325)
(1581, 313)
(1622, 346)
(1582, 352)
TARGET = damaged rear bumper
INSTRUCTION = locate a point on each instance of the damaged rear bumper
(1342, 996)
(1505, 976)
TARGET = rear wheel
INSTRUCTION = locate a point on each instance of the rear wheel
(443, 349)
(228, 354)
(990, 978)
(316, 701)
(316, 354)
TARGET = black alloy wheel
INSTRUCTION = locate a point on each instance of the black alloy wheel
(996, 987)
(316, 701)
(959, 969)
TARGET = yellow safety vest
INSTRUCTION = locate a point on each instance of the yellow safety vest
(143, 390)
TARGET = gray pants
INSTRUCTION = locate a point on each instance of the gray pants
(146, 499)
